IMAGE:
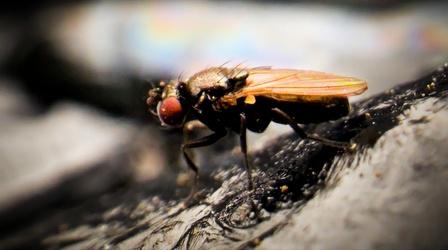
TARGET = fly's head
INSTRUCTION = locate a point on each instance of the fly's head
(167, 101)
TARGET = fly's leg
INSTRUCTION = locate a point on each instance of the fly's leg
(243, 143)
(189, 129)
(299, 131)
(193, 125)
(201, 142)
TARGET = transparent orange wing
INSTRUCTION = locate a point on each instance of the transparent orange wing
(289, 85)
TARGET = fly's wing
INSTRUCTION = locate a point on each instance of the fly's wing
(291, 85)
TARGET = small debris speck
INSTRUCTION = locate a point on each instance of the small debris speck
(378, 174)
(367, 116)
(183, 180)
(256, 241)
(431, 87)
(252, 215)
(284, 189)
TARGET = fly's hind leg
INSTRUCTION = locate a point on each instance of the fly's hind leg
(201, 142)
(299, 131)
(243, 143)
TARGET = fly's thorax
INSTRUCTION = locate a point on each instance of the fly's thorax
(209, 80)
(216, 82)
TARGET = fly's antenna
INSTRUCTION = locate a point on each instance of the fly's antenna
(154, 96)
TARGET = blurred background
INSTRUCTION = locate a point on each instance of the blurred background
(74, 78)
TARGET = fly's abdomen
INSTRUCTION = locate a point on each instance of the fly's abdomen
(330, 108)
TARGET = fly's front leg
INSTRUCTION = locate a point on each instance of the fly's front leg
(243, 143)
(278, 112)
(201, 142)
(190, 128)
(193, 125)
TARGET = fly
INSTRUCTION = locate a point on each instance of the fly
(239, 99)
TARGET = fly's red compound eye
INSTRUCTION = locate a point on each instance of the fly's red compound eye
(170, 111)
